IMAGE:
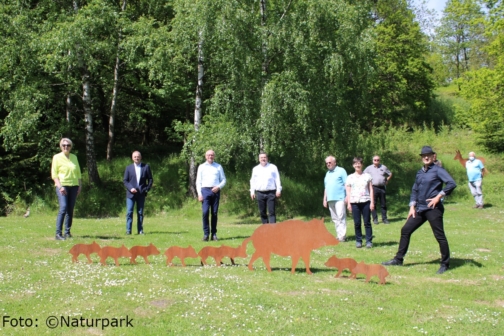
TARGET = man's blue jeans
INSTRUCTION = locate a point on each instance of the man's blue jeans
(139, 199)
(66, 208)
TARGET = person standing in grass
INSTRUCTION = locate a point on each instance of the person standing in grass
(381, 176)
(138, 181)
(265, 186)
(335, 195)
(360, 200)
(475, 171)
(210, 179)
(66, 173)
(425, 205)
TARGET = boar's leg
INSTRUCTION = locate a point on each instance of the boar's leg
(295, 260)
(306, 259)
(146, 260)
(132, 259)
(88, 256)
(255, 256)
(232, 261)
(182, 261)
(116, 261)
(339, 272)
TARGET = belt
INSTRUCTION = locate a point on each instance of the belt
(265, 191)
(377, 186)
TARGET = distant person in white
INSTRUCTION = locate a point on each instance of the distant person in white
(265, 187)
(209, 181)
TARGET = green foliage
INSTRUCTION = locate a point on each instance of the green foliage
(402, 88)
(460, 37)
(484, 90)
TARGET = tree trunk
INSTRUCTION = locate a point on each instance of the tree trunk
(264, 68)
(113, 104)
(197, 115)
(94, 178)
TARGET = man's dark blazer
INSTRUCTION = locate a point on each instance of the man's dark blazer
(130, 179)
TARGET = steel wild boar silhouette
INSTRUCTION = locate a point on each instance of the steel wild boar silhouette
(369, 271)
(113, 252)
(293, 238)
(143, 251)
(86, 249)
(181, 253)
(341, 264)
(218, 253)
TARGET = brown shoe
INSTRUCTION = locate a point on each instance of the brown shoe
(476, 206)
(480, 206)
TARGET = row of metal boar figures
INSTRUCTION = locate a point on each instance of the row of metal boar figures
(218, 253)
(292, 238)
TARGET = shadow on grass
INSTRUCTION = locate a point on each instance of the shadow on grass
(166, 232)
(99, 237)
(454, 263)
(232, 238)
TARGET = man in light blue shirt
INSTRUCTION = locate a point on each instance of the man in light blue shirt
(209, 181)
(334, 196)
(475, 171)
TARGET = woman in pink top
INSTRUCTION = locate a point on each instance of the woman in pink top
(359, 190)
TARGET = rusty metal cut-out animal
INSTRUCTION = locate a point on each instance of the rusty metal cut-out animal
(369, 270)
(292, 238)
(458, 156)
(86, 249)
(113, 252)
(143, 251)
(181, 253)
(219, 253)
(341, 264)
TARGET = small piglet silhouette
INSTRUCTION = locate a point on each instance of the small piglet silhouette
(218, 253)
(113, 252)
(341, 264)
(85, 249)
(143, 251)
(369, 271)
(181, 253)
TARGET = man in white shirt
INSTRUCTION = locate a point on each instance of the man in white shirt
(265, 187)
(209, 181)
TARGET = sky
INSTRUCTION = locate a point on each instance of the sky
(438, 5)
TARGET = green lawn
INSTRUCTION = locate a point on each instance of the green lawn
(38, 280)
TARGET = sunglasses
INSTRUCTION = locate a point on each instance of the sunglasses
(65, 145)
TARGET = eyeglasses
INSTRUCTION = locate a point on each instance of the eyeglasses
(377, 160)
(328, 163)
(66, 145)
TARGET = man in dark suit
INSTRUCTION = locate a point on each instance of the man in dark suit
(138, 181)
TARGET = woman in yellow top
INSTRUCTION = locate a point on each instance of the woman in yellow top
(66, 173)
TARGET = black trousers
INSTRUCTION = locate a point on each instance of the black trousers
(435, 218)
(266, 199)
(379, 193)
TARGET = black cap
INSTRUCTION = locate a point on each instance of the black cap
(427, 150)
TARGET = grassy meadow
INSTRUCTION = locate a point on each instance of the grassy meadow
(39, 280)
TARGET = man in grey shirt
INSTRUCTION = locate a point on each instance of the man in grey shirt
(381, 176)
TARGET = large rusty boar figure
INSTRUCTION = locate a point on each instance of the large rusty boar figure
(293, 238)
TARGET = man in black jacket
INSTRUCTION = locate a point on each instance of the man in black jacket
(138, 181)
(425, 205)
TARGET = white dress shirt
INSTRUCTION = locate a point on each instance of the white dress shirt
(209, 176)
(138, 171)
(265, 178)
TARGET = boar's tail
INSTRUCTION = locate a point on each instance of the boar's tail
(245, 242)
